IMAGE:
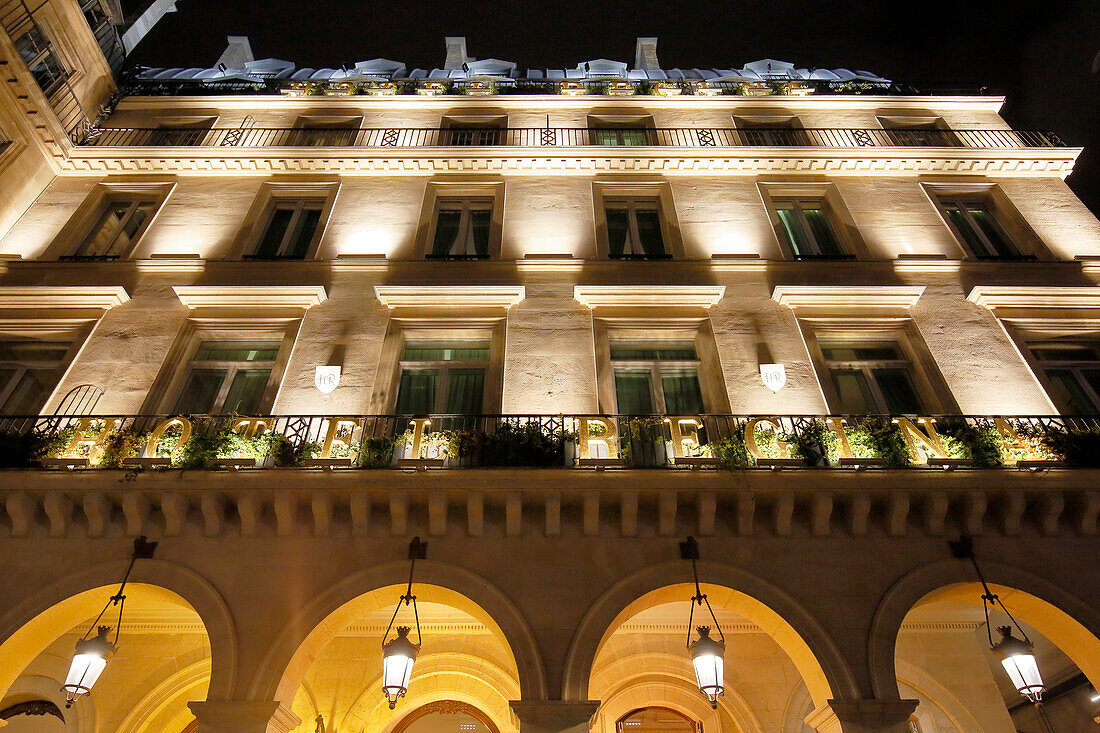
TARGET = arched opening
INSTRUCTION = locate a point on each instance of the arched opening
(162, 662)
(655, 719)
(464, 673)
(942, 658)
(642, 663)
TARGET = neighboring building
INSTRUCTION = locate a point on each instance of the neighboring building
(522, 314)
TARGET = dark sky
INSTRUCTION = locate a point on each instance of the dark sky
(1038, 53)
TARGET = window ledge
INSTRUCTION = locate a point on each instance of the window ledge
(300, 297)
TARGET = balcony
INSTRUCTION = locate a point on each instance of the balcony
(597, 442)
(542, 137)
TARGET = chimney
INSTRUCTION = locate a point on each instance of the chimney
(236, 53)
(456, 53)
(645, 54)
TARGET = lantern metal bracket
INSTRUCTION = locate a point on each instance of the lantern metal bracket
(963, 549)
(689, 550)
(143, 550)
(417, 551)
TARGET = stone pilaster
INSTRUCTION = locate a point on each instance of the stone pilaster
(554, 716)
(243, 717)
(862, 716)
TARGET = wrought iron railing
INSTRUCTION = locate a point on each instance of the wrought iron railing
(597, 441)
(702, 137)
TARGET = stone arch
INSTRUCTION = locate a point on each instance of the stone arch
(287, 660)
(1068, 622)
(926, 687)
(780, 616)
(170, 688)
(30, 626)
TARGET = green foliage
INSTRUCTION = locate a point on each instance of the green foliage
(209, 441)
(878, 437)
(731, 451)
(286, 453)
(596, 88)
(646, 430)
(316, 90)
(123, 445)
(530, 444)
(27, 449)
(376, 451)
(522, 87)
(963, 440)
(1078, 448)
(814, 443)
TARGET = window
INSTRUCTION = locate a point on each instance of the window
(620, 130)
(94, 13)
(655, 720)
(42, 61)
(462, 228)
(634, 229)
(320, 132)
(809, 231)
(923, 133)
(974, 221)
(442, 377)
(473, 130)
(29, 371)
(770, 132)
(871, 377)
(116, 230)
(1072, 371)
(291, 228)
(182, 132)
(228, 377)
(656, 378)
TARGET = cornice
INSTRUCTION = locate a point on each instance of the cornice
(430, 296)
(627, 296)
(101, 297)
(847, 296)
(251, 296)
(1024, 296)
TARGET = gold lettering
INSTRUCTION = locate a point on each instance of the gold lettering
(95, 442)
(923, 444)
(419, 428)
(750, 437)
(1011, 439)
(249, 426)
(685, 436)
(333, 437)
(158, 433)
(606, 434)
(836, 424)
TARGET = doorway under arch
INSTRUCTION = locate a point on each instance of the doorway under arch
(446, 716)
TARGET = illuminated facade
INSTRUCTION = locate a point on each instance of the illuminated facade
(551, 322)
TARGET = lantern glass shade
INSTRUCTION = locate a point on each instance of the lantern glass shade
(1018, 659)
(398, 656)
(707, 656)
(88, 664)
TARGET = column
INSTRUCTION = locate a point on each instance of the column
(862, 716)
(263, 716)
(554, 716)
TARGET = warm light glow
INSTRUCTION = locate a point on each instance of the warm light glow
(88, 664)
(398, 657)
(707, 656)
(1018, 659)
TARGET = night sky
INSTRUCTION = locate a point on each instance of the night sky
(1038, 54)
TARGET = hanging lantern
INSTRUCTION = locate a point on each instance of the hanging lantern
(91, 655)
(399, 654)
(1018, 659)
(88, 663)
(398, 657)
(707, 654)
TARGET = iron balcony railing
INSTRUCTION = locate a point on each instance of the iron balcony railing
(702, 137)
(608, 441)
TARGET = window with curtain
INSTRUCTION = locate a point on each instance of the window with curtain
(1072, 370)
(442, 377)
(462, 228)
(656, 378)
(871, 377)
(974, 221)
(809, 229)
(29, 371)
(620, 135)
(228, 377)
(291, 227)
(116, 231)
(771, 134)
(634, 229)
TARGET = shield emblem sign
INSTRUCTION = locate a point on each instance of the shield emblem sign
(326, 378)
(774, 376)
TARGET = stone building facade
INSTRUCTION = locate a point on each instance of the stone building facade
(282, 321)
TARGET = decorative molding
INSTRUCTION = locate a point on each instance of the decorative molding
(101, 297)
(628, 296)
(299, 297)
(443, 296)
(847, 296)
(1026, 296)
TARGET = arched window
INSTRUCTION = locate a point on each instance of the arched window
(446, 716)
(656, 720)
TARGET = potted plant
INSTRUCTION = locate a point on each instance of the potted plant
(26, 449)
(731, 451)
(377, 451)
(645, 443)
(878, 437)
(1078, 448)
(982, 445)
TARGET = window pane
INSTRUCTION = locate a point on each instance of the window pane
(973, 241)
(633, 393)
(1092, 379)
(446, 231)
(897, 389)
(29, 351)
(465, 388)
(681, 390)
(102, 236)
(237, 351)
(1068, 393)
(853, 395)
(885, 351)
(1064, 351)
(985, 221)
(443, 351)
(662, 351)
(479, 228)
(200, 391)
(276, 230)
(649, 231)
(303, 235)
(416, 393)
(788, 217)
(246, 391)
(818, 220)
(617, 228)
(605, 137)
(30, 392)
